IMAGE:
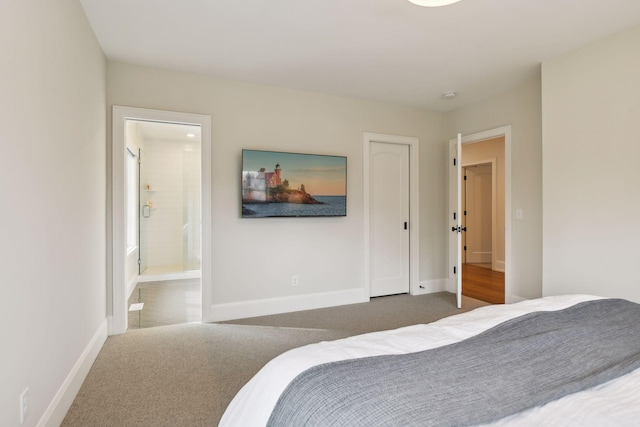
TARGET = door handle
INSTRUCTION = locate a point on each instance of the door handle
(458, 229)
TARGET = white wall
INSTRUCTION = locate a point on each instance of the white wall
(520, 108)
(326, 253)
(52, 220)
(591, 149)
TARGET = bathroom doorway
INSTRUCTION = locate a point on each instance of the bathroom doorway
(161, 209)
(169, 222)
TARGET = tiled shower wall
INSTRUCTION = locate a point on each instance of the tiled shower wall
(173, 228)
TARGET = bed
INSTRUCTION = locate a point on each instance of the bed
(569, 360)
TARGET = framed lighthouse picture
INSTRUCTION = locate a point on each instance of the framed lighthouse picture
(281, 184)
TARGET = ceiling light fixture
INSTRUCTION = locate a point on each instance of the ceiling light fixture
(191, 135)
(433, 3)
(449, 95)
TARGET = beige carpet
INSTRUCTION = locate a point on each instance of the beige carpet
(186, 375)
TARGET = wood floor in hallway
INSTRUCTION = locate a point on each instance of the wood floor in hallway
(483, 283)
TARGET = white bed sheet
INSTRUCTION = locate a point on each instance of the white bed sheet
(616, 403)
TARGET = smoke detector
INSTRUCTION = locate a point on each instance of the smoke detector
(433, 3)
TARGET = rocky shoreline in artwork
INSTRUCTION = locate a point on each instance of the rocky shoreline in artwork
(286, 196)
(281, 195)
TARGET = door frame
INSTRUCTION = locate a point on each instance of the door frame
(494, 205)
(117, 313)
(504, 131)
(414, 208)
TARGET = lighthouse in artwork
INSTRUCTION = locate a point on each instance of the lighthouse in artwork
(273, 178)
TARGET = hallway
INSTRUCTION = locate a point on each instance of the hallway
(482, 283)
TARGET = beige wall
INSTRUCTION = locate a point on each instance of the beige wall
(481, 151)
(591, 118)
(325, 253)
(52, 220)
(520, 108)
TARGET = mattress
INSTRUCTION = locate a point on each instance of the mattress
(612, 403)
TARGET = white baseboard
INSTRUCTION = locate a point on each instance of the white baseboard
(181, 275)
(479, 257)
(432, 286)
(57, 409)
(500, 265)
(515, 298)
(265, 307)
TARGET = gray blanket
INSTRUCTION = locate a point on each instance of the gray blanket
(522, 363)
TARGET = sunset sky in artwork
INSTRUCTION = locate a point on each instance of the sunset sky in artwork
(321, 175)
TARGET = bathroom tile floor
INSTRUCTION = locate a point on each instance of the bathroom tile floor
(165, 303)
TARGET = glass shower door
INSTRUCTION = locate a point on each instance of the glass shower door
(191, 206)
(145, 204)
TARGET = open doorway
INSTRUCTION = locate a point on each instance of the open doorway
(478, 217)
(483, 219)
(460, 154)
(161, 217)
(164, 222)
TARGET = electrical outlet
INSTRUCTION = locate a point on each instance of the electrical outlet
(294, 280)
(24, 405)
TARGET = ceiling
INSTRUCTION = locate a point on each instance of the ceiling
(174, 132)
(385, 50)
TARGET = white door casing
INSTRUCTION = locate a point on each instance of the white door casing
(117, 288)
(504, 131)
(412, 144)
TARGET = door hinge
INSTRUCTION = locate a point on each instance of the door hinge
(465, 177)
(454, 161)
(465, 247)
(454, 216)
(406, 225)
(139, 261)
(454, 269)
(465, 212)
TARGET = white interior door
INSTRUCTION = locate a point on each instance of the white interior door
(389, 226)
(455, 220)
(464, 217)
(144, 212)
